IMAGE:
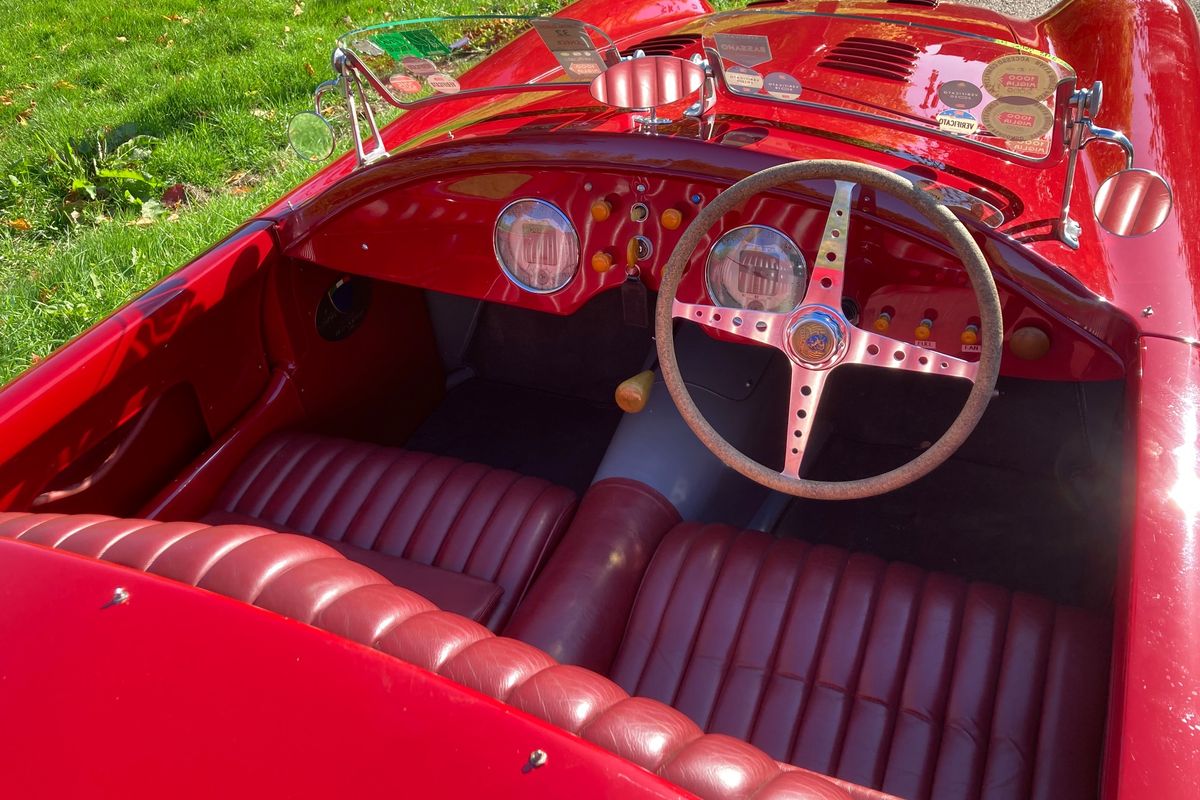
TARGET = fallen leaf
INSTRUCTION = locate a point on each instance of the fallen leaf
(347, 21)
(236, 177)
(6, 98)
(122, 39)
(172, 17)
(34, 359)
(173, 217)
(309, 69)
(174, 196)
(240, 190)
(262, 114)
(23, 117)
(65, 85)
(165, 41)
(287, 28)
(185, 21)
(29, 87)
(297, 9)
(19, 224)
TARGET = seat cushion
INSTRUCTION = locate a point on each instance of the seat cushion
(304, 579)
(881, 674)
(378, 503)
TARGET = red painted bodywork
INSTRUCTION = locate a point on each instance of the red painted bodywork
(1115, 308)
(263, 706)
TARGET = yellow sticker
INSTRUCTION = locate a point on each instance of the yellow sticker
(1017, 122)
(1019, 76)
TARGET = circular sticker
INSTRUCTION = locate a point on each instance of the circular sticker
(1034, 147)
(960, 94)
(743, 78)
(405, 84)
(418, 66)
(1019, 76)
(782, 86)
(441, 82)
(956, 120)
(1017, 122)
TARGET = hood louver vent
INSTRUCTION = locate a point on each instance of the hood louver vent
(926, 3)
(664, 45)
(878, 58)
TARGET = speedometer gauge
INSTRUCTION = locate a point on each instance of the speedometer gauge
(756, 267)
(536, 245)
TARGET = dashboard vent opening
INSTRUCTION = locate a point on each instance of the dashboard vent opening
(925, 3)
(878, 58)
(664, 45)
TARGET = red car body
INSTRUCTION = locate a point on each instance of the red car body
(177, 691)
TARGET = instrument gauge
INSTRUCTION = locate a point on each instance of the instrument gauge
(757, 268)
(536, 245)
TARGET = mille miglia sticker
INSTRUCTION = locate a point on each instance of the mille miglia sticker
(441, 82)
(405, 84)
(1017, 122)
(418, 66)
(956, 120)
(743, 79)
(1019, 76)
(960, 94)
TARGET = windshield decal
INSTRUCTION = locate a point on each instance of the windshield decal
(441, 82)
(405, 84)
(960, 94)
(782, 86)
(1019, 76)
(957, 120)
(572, 47)
(416, 42)
(1017, 122)
(743, 49)
(743, 78)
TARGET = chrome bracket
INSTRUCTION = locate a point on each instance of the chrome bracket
(354, 94)
(1081, 130)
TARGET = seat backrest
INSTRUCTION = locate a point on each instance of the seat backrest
(304, 579)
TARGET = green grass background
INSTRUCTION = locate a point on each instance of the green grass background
(212, 83)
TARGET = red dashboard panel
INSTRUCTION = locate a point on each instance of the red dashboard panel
(438, 234)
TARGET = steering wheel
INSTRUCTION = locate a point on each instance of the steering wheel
(816, 336)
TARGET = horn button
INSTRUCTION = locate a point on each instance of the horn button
(817, 337)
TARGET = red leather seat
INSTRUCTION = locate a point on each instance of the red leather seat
(304, 579)
(467, 536)
(884, 675)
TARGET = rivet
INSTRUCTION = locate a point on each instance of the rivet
(538, 758)
(364, 247)
(641, 187)
(1148, 311)
(120, 597)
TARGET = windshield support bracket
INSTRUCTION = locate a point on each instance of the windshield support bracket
(354, 94)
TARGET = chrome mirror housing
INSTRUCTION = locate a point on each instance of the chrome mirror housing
(1132, 202)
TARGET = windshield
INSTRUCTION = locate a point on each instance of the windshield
(973, 87)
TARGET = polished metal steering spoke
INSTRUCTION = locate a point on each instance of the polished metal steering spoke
(876, 350)
(764, 327)
(826, 284)
(805, 395)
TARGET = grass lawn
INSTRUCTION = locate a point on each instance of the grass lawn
(198, 94)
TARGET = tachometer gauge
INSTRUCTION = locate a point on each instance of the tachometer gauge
(536, 245)
(756, 267)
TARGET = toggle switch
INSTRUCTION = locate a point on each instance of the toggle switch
(671, 219)
(970, 335)
(883, 322)
(924, 330)
(601, 210)
(602, 262)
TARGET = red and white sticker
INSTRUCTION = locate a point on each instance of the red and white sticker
(441, 82)
(405, 84)
(743, 79)
(1017, 122)
(418, 66)
(782, 86)
(1034, 147)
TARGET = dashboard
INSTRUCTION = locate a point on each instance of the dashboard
(552, 239)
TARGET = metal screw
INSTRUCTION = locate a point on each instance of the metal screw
(1148, 311)
(119, 598)
(641, 187)
(364, 246)
(538, 758)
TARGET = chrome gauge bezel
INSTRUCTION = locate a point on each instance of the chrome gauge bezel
(802, 266)
(561, 216)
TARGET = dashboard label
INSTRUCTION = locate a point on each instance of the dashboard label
(928, 344)
(972, 348)
(744, 49)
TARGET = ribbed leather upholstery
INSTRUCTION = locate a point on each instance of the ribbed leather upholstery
(880, 674)
(305, 579)
(465, 518)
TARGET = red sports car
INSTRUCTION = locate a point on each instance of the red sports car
(800, 401)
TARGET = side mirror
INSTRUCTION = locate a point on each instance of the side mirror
(311, 136)
(1132, 202)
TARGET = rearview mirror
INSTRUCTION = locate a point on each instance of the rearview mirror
(647, 83)
(311, 136)
(1132, 202)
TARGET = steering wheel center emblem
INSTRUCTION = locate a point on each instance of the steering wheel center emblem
(816, 338)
